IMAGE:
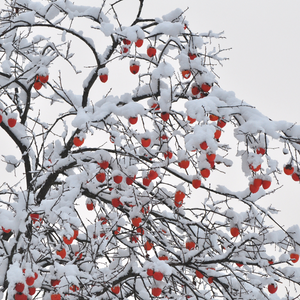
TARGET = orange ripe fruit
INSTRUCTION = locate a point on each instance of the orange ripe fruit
(148, 246)
(146, 142)
(205, 173)
(272, 288)
(158, 276)
(266, 184)
(261, 151)
(101, 177)
(203, 146)
(184, 164)
(217, 134)
(288, 169)
(199, 274)
(77, 141)
(163, 257)
(190, 245)
(55, 282)
(196, 183)
(6, 230)
(294, 257)
(90, 206)
(133, 120)
(254, 188)
(234, 231)
(221, 123)
(210, 280)
(213, 117)
(239, 265)
(118, 179)
(165, 116)
(44, 79)
(139, 43)
(152, 175)
(115, 289)
(116, 202)
(31, 290)
(205, 87)
(136, 221)
(254, 169)
(192, 56)
(103, 78)
(191, 120)
(55, 297)
(295, 176)
(146, 181)
(62, 253)
(126, 42)
(74, 288)
(211, 156)
(37, 85)
(151, 51)
(104, 164)
(140, 230)
(68, 241)
(195, 90)
(257, 182)
(186, 74)
(179, 196)
(156, 291)
(30, 280)
(134, 69)
(19, 287)
(168, 154)
(130, 180)
(11, 122)
(150, 272)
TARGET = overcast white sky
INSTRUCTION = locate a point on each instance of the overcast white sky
(264, 63)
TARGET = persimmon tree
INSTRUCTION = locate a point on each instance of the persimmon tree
(104, 204)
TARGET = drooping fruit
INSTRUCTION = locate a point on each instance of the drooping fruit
(130, 180)
(62, 253)
(272, 288)
(152, 174)
(179, 196)
(146, 142)
(136, 221)
(221, 123)
(191, 120)
(90, 206)
(148, 246)
(210, 156)
(150, 272)
(199, 274)
(37, 85)
(210, 279)
(44, 79)
(101, 177)
(116, 202)
(261, 151)
(104, 164)
(19, 287)
(288, 169)
(213, 117)
(134, 69)
(190, 245)
(151, 51)
(234, 231)
(205, 87)
(217, 134)
(78, 141)
(266, 184)
(146, 181)
(12, 122)
(103, 78)
(68, 241)
(196, 183)
(30, 280)
(205, 173)
(139, 43)
(156, 291)
(118, 179)
(133, 120)
(158, 276)
(254, 169)
(294, 257)
(192, 56)
(296, 176)
(126, 42)
(31, 290)
(55, 282)
(239, 265)
(184, 164)
(165, 116)
(115, 289)
(168, 154)
(56, 297)
(203, 146)
(186, 74)
(254, 188)
(195, 90)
